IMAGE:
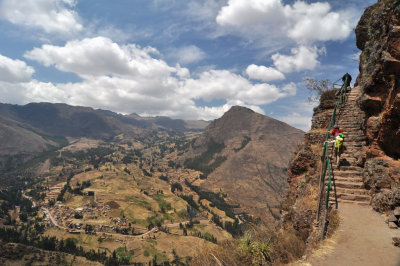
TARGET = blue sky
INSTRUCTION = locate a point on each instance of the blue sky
(180, 58)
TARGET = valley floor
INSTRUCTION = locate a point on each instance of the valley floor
(363, 238)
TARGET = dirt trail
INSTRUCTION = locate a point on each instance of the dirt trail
(363, 238)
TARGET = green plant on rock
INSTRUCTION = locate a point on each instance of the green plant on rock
(259, 251)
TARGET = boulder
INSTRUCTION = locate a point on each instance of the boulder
(396, 241)
(375, 174)
(396, 212)
(393, 225)
(393, 218)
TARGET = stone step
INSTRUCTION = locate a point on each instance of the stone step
(350, 128)
(354, 144)
(349, 184)
(352, 168)
(348, 156)
(352, 191)
(351, 161)
(352, 132)
(332, 201)
(349, 120)
(347, 173)
(348, 123)
(352, 177)
(354, 197)
(348, 179)
(355, 137)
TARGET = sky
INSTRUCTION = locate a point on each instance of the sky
(186, 59)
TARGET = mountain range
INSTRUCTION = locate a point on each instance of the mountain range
(27, 130)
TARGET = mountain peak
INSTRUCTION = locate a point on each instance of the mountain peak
(240, 109)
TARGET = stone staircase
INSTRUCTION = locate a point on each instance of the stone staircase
(348, 174)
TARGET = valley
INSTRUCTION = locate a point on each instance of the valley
(151, 194)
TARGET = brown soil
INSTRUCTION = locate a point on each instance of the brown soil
(113, 204)
(363, 238)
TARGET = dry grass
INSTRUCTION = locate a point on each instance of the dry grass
(308, 196)
(261, 245)
(334, 222)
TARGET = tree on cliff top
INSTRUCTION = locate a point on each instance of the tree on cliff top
(316, 88)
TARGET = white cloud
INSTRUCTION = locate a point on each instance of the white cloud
(301, 22)
(315, 22)
(249, 12)
(297, 120)
(187, 54)
(101, 56)
(272, 25)
(52, 16)
(264, 73)
(223, 84)
(128, 78)
(302, 58)
(14, 70)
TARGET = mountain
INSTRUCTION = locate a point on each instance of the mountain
(19, 144)
(175, 124)
(27, 130)
(245, 155)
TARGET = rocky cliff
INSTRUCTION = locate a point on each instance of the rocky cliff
(300, 205)
(376, 142)
(378, 36)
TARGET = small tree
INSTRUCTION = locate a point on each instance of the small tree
(316, 88)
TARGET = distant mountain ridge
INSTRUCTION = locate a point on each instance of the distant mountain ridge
(250, 153)
(26, 130)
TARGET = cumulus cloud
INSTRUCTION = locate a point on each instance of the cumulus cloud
(187, 54)
(315, 22)
(248, 12)
(52, 16)
(223, 84)
(264, 73)
(302, 58)
(301, 22)
(101, 56)
(14, 71)
(271, 24)
(128, 78)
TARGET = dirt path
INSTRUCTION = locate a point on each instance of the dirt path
(363, 238)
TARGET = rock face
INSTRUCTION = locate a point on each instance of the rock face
(300, 205)
(249, 161)
(378, 36)
(369, 168)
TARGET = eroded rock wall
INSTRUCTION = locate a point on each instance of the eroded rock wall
(300, 205)
(378, 36)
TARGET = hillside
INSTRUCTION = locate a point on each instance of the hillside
(28, 130)
(245, 155)
(130, 195)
